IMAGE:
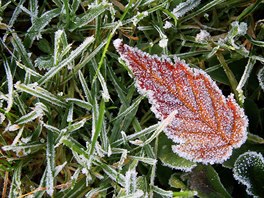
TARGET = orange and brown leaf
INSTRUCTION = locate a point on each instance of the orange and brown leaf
(207, 125)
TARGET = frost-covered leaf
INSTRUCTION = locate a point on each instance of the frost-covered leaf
(249, 170)
(207, 124)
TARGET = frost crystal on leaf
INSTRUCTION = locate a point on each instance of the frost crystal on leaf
(207, 125)
(185, 7)
(167, 25)
(247, 167)
(261, 78)
(163, 42)
(202, 36)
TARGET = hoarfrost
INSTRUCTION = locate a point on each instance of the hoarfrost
(202, 36)
(163, 42)
(2, 118)
(167, 25)
(185, 7)
(130, 179)
(261, 78)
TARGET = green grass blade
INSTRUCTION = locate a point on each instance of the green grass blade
(130, 109)
(36, 113)
(50, 157)
(97, 126)
(205, 8)
(137, 135)
(162, 192)
(87, 58)
(41, 93)
(80, 103)
(16, 13)
(91, 14)
(9, 79)
(28, 70)
(86, 90)
(20, 49)
(15, 186)
(113, 174)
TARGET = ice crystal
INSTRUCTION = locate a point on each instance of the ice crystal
(167, 25)
(207, 124)
(163, 42)
(202, 36)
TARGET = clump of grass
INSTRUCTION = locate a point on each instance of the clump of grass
(71, 121)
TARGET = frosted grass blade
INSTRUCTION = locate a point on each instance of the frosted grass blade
(39, 92)
(80, 103)
(20, 48)
(39, 24)
(9, 79)
(73, 55)
(50, 157)
(130, 109)
(91, 14)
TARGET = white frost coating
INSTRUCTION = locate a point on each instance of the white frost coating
(130, 181)
(57, 37)
(59, 168)
(167, 25)
(117, 43)
(95, 5)
(145, 13)
(136, 142)
(2, 118)
(84, 171)
(49, 179)
(163, 42)
(238, 29)
(181, 168)
(261, 78)
(185, 7)
(244, 78)
(202, 36)
(138, 194)
(26, 139)
(241, 28)
(13, 127)
(138, 17)
(243, 164)
(9, 79)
